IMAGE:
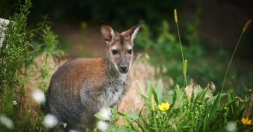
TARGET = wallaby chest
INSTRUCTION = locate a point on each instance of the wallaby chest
(113, 91)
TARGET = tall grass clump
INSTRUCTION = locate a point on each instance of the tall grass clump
(191, 108)
(166, 56)
(26, 64)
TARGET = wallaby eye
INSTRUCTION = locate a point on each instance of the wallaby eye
(130, 51)
(114, 52)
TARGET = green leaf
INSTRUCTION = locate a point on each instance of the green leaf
(133, 116)
(122, 114)
(140, 112)
(210, 100)
(99, 116)
(130, 124)
(200, 96)
(216, 105)
(145, 97)
(149, 90)
(180, 96)
(123, 129)
(230, 102)
(205, 124)
(159, 91)
(155, 95)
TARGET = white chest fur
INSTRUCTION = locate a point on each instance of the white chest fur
(113, 92)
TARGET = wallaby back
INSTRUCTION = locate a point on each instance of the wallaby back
(81, 87)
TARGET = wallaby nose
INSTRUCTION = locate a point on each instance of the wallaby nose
(123, 68)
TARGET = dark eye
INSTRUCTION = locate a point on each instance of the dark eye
(130, 51)
(114, 52)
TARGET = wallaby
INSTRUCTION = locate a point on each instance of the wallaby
(81, 87)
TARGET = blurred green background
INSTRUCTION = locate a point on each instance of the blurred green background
(209, 32)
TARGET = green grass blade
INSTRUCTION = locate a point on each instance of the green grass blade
(159, 90)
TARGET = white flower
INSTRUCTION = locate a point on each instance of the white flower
(170, 92)
(105, 113)
(50, 121)
(72, 131)
(64, 125)
(14, 102)
(231, 127)
(38, 96)
(7, 122)
(102, 126)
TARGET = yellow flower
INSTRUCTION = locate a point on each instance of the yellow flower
(83, 25)
(164, 106)
(246, 121)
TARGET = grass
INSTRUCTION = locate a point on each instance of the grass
(190, 108)
(243, 30)
(27, 63)
(184, 61)
(203, 66)
(196, 111)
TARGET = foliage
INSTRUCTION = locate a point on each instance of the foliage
(204, 66)
(189, 111)
(7, 7)
(124, 13)
(25, 64)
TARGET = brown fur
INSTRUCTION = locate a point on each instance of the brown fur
(81, 87)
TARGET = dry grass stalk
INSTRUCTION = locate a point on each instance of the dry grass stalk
(195, 89)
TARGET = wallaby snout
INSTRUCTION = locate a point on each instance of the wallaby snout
(81, 87)
(123, 69)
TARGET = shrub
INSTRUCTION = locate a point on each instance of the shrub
(204, 65)
(189, 109)
(26, 64)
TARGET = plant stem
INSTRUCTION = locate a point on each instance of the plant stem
(244, 29)
(180, 42)
(176, 20)
(230, 63)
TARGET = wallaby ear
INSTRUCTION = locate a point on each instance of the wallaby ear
(106, 31)
(133, 31)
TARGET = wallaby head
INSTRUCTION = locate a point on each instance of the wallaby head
(119, 49)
